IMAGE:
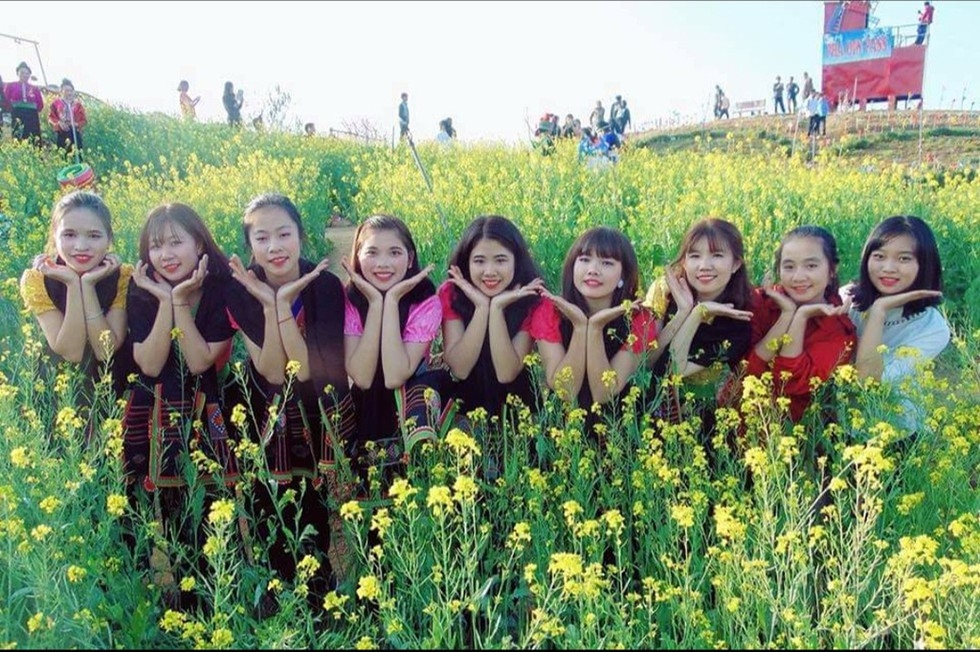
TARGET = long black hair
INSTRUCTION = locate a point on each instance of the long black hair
(502, 230)
(930, 276)
(418, 294)
(828, 244)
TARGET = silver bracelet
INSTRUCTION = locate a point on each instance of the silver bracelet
(94, 317)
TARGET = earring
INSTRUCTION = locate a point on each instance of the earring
(620, 284)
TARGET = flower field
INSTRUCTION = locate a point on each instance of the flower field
(838, 532)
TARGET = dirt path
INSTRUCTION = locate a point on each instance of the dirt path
(342, 238)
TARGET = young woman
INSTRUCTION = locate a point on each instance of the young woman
(26, 102)
(703, 301)
(233, 104)
(800, 328)
(895, 299)
(181, 335)
(605, 329)
(290, 309)
(492, 316)
(174, 432)
(67, 117)
(187, 105)
(392, 317)
(77, 290)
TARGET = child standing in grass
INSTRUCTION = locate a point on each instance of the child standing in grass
(492, 316)
(800, 328)
(703, 301)
(392, 316)
(77, 289)
(289, 309)
(605, 331)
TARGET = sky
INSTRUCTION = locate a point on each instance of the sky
(494, 67)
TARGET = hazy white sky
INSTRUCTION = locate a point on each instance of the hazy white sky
(491, 66)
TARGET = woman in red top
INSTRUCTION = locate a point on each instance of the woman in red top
(800, 329)
(67, 117)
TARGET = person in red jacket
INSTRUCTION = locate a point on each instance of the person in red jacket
(26, 102)
(67, 117)
(800, 328)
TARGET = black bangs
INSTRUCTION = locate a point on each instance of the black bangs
(603, 243)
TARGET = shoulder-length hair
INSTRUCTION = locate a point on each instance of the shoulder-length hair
(930, 276)
(602, 242)
(419, 293)
(162, 219)
(720, 234)
(828, 244)
(502, 230)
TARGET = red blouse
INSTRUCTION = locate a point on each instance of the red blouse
(827, 343)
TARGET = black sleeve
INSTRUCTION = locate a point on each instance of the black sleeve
(141, 312)
(246, 311)
(212, 313)
(724, 340)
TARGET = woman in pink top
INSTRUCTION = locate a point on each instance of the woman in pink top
(392, 316)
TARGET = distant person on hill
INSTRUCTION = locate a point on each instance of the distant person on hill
(187, 105)
(723, 107)
(807, 86)
(823, 109)
(624, 119)
(598, 115)
(792, 90)
(813, 112)
(67, 117)
(26, 103)
(446, 133)
(614, 112)
(718, 95)
(609, 141)
(309, 129)
(568, 129)
(925, 19)
(588, 145)
(233, 104)
(403, 116)
(777, 96)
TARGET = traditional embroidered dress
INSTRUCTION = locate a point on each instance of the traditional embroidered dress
(171, 416)
(314, 422)
(390, 423)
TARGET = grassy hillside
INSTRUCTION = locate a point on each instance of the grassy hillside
(949, 139)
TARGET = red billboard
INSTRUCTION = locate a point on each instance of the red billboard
(873, 78)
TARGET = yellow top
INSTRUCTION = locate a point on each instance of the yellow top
(658, 296)
(36, 297)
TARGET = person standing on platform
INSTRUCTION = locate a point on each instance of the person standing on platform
(925, 19)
